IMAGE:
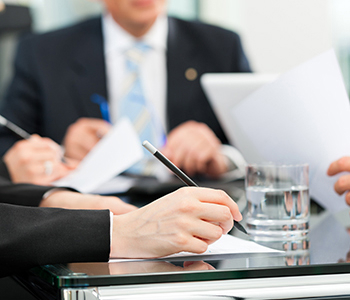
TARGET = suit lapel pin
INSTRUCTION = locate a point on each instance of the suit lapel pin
(191, 74)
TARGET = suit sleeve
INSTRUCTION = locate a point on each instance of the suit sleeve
(36, 236)
(21, 194)
(4, 171)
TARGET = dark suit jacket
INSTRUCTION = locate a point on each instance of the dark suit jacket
(56, 74)
(31, 236)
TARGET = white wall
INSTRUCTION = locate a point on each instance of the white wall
(277, 34)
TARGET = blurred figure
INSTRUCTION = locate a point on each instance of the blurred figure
(58, 74)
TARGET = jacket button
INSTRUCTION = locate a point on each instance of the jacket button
(191, 74)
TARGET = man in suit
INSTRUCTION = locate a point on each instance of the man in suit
(57, 73)
(188, 220)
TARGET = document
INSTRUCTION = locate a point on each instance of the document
(118, 150)
(302, 117)
(227, 244)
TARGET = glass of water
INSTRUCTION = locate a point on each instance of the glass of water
(278, 203)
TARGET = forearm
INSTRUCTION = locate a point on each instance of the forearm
(49, 235)
(21, 194)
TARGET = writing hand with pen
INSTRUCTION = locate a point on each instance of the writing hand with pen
(37, 160)
(85, 133)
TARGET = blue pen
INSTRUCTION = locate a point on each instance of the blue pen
(103, 104)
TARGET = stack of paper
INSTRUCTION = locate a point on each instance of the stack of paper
(302, 117)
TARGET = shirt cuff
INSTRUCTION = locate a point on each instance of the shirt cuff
(237, 162)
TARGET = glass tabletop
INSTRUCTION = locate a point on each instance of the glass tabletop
(325, 250)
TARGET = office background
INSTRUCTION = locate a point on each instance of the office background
(277, 35)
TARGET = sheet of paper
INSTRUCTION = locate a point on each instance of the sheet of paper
(116, 152)
(118, 184)
(227, 244)
(302, 117)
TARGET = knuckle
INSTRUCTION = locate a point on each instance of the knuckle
(222, 194)
(181, 240)
(217, 233)
(226, 214)
(187, 207)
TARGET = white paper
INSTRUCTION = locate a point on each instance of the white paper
(302, 117)
(116, 152)
(227, 244)
(118, 184)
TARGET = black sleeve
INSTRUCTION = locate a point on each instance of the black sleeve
(36, 236)
(21, 194)
(4, 171)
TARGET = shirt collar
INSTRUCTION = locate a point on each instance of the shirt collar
(117, 39)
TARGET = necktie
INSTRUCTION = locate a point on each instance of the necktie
(141, 113)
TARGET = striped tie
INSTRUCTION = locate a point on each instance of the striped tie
(140, 112)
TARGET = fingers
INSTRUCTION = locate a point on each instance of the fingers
(187, 220)
(36, 160)
(340, 165)
(215, 197)
(83, 135)
(342, 184)
(192, 146)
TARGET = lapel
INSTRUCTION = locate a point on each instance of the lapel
(89, 71)
(181, 56)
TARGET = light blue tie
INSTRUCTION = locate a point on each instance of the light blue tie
(141, 113)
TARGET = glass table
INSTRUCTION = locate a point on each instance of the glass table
(313, 268)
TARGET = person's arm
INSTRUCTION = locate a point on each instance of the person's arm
(21, 194)
(38, 236)
(3, 170)
(187, 220)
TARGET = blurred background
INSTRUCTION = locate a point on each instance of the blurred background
(276, 34)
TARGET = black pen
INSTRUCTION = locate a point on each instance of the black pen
(19, 131)
(181, 175)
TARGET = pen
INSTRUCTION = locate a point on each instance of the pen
(103, 104)
(14, 128)
(181, 175)
(20, 132)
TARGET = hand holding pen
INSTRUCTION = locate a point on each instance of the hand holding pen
(181, 175)
(34, 159)
(85, 133)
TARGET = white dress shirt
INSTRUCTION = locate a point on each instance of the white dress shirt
(153, 74)
(152, 70)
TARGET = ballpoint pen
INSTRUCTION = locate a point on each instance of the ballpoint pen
(104, 107)
(181, 175)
